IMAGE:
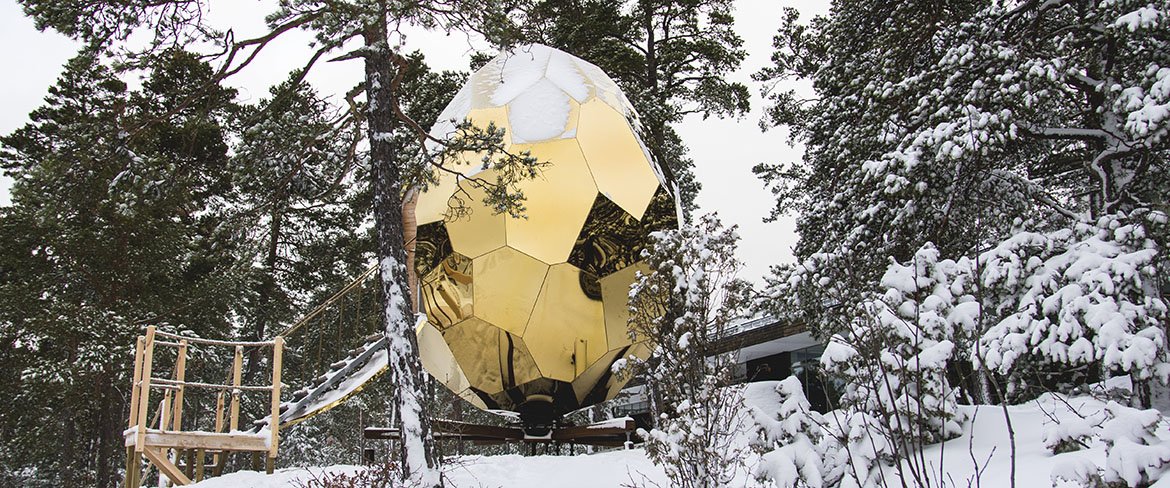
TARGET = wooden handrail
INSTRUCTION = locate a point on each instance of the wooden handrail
(212, 386)
(215, 342)
(180, 377)
(328, 303)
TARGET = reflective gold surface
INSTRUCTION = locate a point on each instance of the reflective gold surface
(447, 291)
(558, 202)
(615, 158)
(509, 282)
(615, 289)
(596, 374)
(439, 360)
(491, 359)
(533, 309)
(562, 319)
(480, 229)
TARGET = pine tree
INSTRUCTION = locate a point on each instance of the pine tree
(109, 229)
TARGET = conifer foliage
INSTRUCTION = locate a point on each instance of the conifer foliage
(982, 205)
(683, 306)
(111, 228)
(1027, 138)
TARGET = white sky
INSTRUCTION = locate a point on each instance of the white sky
(724, 150)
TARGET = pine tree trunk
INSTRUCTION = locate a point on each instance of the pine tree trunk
(405, 368)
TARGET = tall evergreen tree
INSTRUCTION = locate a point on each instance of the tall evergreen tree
(109, 230)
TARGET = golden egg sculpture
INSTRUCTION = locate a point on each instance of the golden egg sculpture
(529, 314)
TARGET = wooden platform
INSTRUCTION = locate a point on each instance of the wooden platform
(168, 446)
(211, 441)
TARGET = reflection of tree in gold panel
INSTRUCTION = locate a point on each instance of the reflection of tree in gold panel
(613, 239)
(432, 246)
(446, 291)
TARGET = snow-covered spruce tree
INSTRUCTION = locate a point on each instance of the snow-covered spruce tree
(1078, 305)
(683, 306)
(895, 363)
(965, 125)
(1135, 456)
(803, 448)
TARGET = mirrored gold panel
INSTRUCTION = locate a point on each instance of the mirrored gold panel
(613, 239)
(484, 116)
(616, 382)
(508, 282)
(432, 203)
(557, 203)
(615, 292)
(491, 358)
(619, 167)
(472, 398)
(447, 291)
(595, 377)
(479, 229)
(432, 246)
(437, 358)
(564, 323)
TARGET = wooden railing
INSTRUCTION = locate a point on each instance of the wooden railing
(159, 445)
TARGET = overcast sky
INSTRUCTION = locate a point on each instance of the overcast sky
(724, 150)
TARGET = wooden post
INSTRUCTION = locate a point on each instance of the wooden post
(274, 423)
(180, 377)
(234, 408)
(218, 422)
(200, 454)
(164, 410)
(219, 411)
(189, 467)
(144, 393)
(133, 463)
(164, 417)
(135, 387)
(237, 370)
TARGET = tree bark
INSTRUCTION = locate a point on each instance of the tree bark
(405, 369)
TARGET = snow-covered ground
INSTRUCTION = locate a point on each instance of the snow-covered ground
(984, 448)
(614, 468)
